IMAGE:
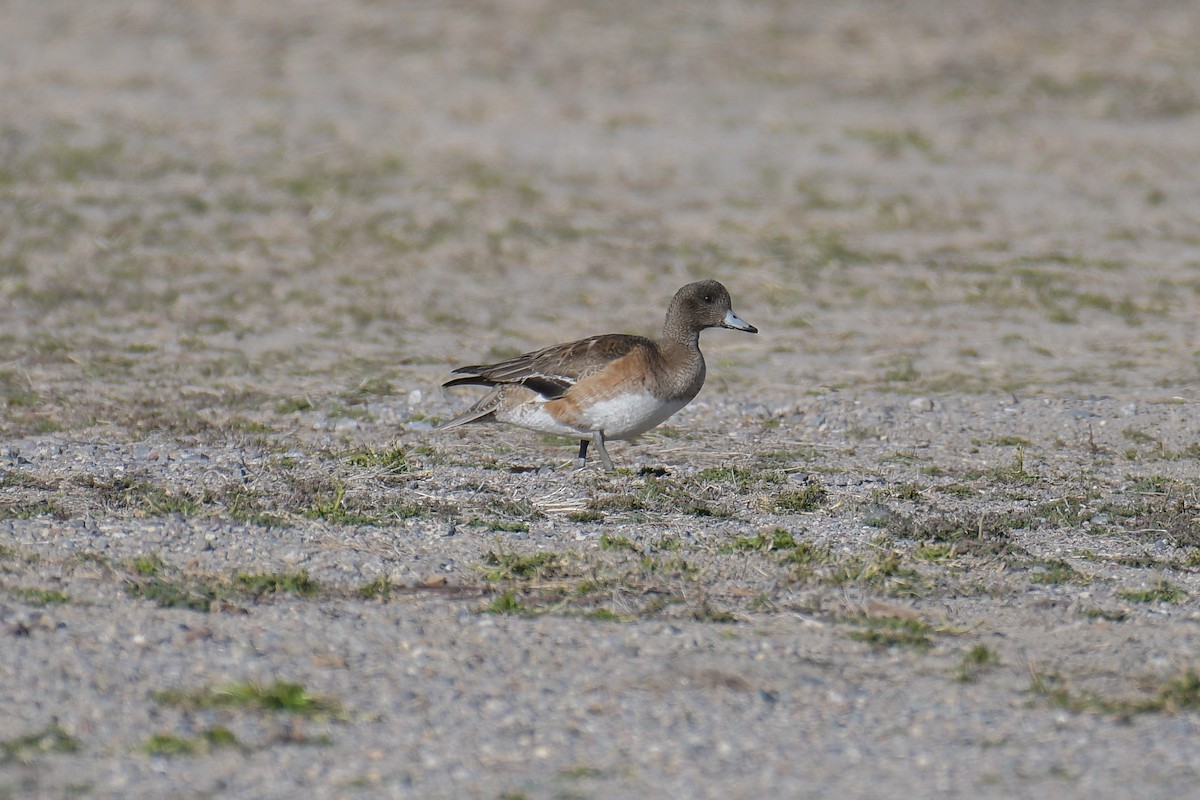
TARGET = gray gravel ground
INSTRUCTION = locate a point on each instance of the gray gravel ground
(933, 533)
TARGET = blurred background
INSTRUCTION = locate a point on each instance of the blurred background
(216, 215)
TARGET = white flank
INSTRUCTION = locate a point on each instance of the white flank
(535, 417)
(621, 417)
(629, 415)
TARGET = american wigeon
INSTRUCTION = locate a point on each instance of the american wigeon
(614, 386)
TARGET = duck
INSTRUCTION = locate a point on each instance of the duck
(612, 387)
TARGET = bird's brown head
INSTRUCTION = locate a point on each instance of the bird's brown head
(700, 305)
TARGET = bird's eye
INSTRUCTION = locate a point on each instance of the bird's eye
(708, 298)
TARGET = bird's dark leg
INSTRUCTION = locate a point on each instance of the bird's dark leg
(581, 459)
(598, 440)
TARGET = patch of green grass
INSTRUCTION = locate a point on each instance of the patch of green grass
(16, 392)
(883, 568)
(912, 492)
(148, 565)
(391, 462)
(985, 534)
(245, 506)
(585, 515)
(799, 501)
(862, 433)
(39, 597)
(743, 479)
(1055, 571)
(71, 162)
(507, 603)
(280, 696)
(934, 552)
(807, 558)
(1141, 437)
(763, 542)
(502, 525)
(891, 144)
(294, 405)
(975, 662)
(378, 589)
(404, 511)
(1152, 484)
(1173, 514)
(260, 584)
(373, 387)
(333, 509)
(705, 611)
(209, 739)
(29, 510)
(617, 503)
(901, 457)
(1063, 512)
(509, 566)
(698, 508)
(580, 771)
(160, 502)
(884, 632)
(51, 739)
(1161, 592)
(618, 542)
(957, 490)
(1106, 614)
(801, 454)
(1180, 692)
(1172, 695)
(190, 594)
(902, 370)
(1010, 441)
(1014, 473)
(165, 744)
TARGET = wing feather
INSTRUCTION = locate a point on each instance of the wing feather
(552, 371)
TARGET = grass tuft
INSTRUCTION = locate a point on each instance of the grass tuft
(885, 632)
(51, 739)
(975, 662)
(1162, 592)
(262, 584)
(209, 739)
(281, 696)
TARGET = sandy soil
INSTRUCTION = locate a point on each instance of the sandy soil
(932, 533)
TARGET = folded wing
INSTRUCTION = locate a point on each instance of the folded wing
(552, 371)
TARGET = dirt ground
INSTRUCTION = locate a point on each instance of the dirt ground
(934, 532)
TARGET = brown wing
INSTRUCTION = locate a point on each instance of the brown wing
(552, 371)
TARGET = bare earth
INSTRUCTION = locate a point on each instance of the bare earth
(935, 532)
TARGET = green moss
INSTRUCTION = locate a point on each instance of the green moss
(507, 603)
(280, 696)
(40, 597)
(209, 739)
(51, 739)
(798, 501)
(976, 661)
(764, 542)
(1161, 592)
(889, 632)
(378, 589)
(261, 584)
